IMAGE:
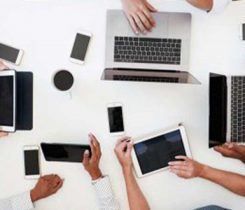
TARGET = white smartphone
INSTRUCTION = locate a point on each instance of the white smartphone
(115, 116)
(11, 54)
(31, 162)
(7, 100)
(80, 47)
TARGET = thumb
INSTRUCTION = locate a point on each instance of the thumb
(86, 157)
(129, 149)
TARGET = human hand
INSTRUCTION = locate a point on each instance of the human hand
(186, 167)
(232, 150)
(91, 165)
(139, 15)
(3, 67)
(123, 151)
(46, 186)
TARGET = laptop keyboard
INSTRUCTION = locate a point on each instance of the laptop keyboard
(238, 109)
(145, 79)
(147, 50)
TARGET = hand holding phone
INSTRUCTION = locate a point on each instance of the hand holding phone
(31, 160)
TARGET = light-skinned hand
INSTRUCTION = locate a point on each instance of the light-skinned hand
(139, 14)
(232, 150)
(91, 165)
(123, 151)
(47, 185)
(186, 167)
(3, 67)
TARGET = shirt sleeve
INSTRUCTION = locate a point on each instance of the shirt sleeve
(18, 202)
(219, 5)
(104, 194)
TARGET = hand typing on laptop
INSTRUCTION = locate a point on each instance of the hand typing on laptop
(232, 150)
(141, 20)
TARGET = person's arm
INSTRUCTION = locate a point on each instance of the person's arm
(188, 168)
(136, 198)
(101, 184)
(202, 4)
(46, 186)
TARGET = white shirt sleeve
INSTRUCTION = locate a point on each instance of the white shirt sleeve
(18, 202)
(219, 5)
(104, 194)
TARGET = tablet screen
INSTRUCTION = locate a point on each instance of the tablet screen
(155, 153)
(6, 100)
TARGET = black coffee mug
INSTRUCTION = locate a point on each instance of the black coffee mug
(63, 80)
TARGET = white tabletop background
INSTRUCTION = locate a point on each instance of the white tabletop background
(45, 30)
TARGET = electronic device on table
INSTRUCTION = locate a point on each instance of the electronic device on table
(242, 32)
(80, 47)
(31, 160)
(64, 152)
(226, 109)
(159, 56)
(11, 54)
(115, 116)
(153, 152)
(16, 100)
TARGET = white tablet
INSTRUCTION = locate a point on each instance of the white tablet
(7, 100)
(152, 153)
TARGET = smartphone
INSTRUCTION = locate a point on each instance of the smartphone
(11, 54)
(243, 32)
(31, 161)
(80, 47)
(115, 116)
(7, 100)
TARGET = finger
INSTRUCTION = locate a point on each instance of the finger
(179, 173)
(224, 151)
(58, 186)
(176, 163)
(96, 144)
(2, 66)
(139, 23)
(125, 138)
(93, 150)
(181, 157)
(119, 149)
(86, 158)
(133, 25)
(150, 7)
(129, 149)
(149, 17)
(179, 167)
(144, 19)
(48, 177)
(2, 134)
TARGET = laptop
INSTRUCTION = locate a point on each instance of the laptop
(226, 109)
(159, 56)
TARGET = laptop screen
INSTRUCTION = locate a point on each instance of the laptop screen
(217, 109)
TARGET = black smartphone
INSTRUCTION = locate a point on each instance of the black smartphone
(31, 160)
(64, 152)
(115, 115)
(11, 54)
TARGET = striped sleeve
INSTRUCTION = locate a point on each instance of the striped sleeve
(104, 194)
(18, 202)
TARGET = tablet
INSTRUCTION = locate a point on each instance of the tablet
(7, 100)
(152, 153)
(64, 152)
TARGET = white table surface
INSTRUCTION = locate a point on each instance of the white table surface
(45, 29)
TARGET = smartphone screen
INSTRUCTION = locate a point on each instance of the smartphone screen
(115, 119)
(31, 162)
(8, 53)
(80, 47)
(7, 100)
